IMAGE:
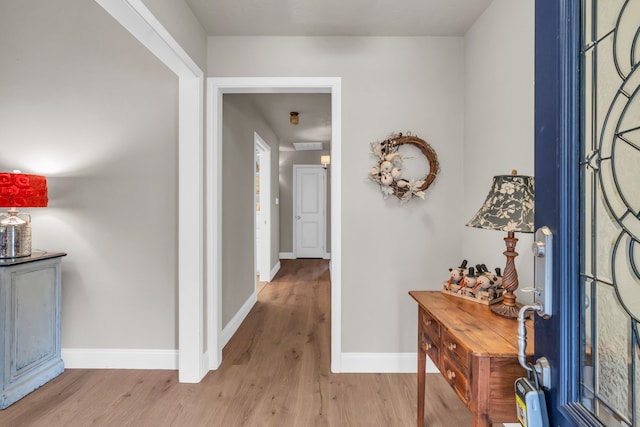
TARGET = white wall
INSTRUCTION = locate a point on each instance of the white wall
(499, 122)
(388, 84)
(240, 120)
(86, 105)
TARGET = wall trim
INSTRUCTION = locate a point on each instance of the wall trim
(289, 255)
(119, 358)
(274, 271)
(237, 320)
(396, 363)
(138, 20)
(216, 88)
(107, 358)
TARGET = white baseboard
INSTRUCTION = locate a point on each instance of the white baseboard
(105, 358)
(113, 358)
(110, 358)
(287, 255)
(236, 321)
(383, 363)
(290, 255)
(274, 271)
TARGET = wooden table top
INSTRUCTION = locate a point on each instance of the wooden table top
(474, 324)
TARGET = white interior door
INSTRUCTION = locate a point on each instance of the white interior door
(309, 214)
(258, 220)
(262, 202)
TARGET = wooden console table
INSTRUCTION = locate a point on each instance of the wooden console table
(475, 350)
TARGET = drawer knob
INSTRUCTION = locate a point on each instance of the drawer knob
(450, 374)
(428, 346)
(428, 322)
(452, 346)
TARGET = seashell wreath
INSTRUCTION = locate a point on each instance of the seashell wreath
(388, 173)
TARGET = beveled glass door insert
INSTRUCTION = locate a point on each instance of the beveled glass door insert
(610, 206)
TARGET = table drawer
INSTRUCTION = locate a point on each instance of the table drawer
(431, 348)
(430, 326)
(457, 378)
(454, 350)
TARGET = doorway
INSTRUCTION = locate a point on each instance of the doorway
(217, 87)
(262, 192)
(309, 215)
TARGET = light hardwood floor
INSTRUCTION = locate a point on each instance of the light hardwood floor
(275, 372)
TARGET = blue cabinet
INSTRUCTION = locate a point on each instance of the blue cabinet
(30, 295)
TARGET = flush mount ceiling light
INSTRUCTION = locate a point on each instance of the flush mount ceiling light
(307, 146)
(293, 118)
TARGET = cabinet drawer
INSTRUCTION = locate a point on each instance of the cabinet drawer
(430, 326)
(455, 350)
(432, 349)
(457, 378)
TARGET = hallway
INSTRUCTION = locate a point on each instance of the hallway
(275, 372)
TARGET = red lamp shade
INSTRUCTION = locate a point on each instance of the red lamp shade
(21, 190)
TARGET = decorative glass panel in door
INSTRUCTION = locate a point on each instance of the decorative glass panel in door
(610, 210)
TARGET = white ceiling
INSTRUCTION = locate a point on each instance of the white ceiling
(337, 17)
(314, 115)
(328, 18)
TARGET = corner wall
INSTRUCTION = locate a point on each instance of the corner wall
(499, 123)
(178, 19)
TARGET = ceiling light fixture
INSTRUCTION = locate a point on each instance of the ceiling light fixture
(293, 118)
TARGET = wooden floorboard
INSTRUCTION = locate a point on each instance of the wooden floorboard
(275, 372)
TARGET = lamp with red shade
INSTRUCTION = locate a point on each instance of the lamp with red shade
(19, 190)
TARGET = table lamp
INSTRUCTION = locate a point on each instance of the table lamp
(508, 207)
(19, 190)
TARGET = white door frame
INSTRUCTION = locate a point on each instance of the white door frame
(216, 87)
(264, 248)
(296, 170)
(136, 18)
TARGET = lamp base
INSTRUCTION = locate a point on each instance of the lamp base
(510, 312)
(15, 235)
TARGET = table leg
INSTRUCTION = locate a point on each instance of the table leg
(422, 361)
(480, 421)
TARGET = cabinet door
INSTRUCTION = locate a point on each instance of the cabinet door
(31, 330)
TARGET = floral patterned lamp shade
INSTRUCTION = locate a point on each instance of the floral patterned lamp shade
(508, 207)
(19, 190)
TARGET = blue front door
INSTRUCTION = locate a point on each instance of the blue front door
(587, 170)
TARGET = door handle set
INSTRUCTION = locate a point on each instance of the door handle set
(541, 368)
(542, 302)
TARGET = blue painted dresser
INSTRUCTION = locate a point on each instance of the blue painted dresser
(30, 294)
